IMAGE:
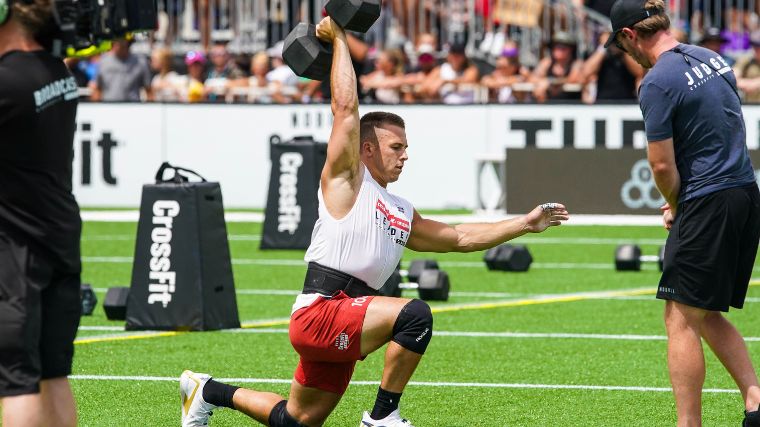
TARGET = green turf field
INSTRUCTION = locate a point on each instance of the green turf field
(569, 343)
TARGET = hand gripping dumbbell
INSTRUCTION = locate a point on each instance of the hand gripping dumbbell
(312, 58)
(629, 258)
(431, 283)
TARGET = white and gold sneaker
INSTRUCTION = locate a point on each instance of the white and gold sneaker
(195, 410)
(392, 420)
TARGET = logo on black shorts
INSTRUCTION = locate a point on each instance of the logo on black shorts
(341, 341)
(665, 290)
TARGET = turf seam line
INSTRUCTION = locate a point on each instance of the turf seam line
(411, 383)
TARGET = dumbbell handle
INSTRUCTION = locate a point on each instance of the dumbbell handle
(649, 258)
(408, 285)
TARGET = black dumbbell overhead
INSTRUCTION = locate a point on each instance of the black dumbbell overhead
(629, 258)
(312, 58)
(354, 15)
(305, 54)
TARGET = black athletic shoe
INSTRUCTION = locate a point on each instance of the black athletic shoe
(751, 419)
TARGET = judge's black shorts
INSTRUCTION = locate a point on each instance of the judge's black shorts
(39, 317)
(711, 250)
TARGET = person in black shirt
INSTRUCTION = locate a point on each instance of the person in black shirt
(617, 75)
(40, 224)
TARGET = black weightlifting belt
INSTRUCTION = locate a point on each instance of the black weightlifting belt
(327, 281)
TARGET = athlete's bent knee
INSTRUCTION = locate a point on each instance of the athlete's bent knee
(414, 326)
(279, 417)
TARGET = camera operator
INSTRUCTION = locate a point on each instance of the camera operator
(40, 224)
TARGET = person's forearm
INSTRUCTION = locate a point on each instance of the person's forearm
(669, 183)
(480, 236)
(342, 77)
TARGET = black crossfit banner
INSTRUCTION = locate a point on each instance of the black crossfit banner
(182, 275)
(586, 181)
(291, 210)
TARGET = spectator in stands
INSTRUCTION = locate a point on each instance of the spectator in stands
(193, 89)
(122, 75)
(222, 72)
(412, 88)
(455, 80)
(258, 85)
(383, 84)
(616, 74)
(558, 76)
(507, 73)
(166, 83)
(283, 82)
(713, 39)
(747, 70)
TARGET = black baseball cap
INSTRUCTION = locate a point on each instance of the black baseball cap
(626, 13)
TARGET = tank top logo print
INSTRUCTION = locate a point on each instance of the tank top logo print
(395, 225)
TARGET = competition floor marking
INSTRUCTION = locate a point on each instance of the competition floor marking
(542, 299)
(461, 334)
(411, 383)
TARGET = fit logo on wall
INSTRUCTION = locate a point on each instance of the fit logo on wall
(640, 190)
(89, 144)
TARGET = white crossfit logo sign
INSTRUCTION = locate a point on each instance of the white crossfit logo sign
(640, 191)
(289, 212)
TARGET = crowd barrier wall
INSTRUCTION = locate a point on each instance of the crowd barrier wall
(118, 147)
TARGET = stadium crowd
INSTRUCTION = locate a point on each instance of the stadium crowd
(428, 70)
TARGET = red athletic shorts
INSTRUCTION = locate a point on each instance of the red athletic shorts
(327, 336)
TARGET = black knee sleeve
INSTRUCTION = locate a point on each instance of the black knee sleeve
(279, 416)
(414, 326)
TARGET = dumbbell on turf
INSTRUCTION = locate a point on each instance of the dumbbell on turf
(629, 258)
(312, 58)
(431, 283)
(508, 257)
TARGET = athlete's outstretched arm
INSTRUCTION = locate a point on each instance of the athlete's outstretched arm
(342, 174)
(433, 236)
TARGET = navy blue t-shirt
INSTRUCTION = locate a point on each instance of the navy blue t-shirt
(685, 97)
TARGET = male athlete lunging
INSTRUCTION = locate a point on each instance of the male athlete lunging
(357, 242)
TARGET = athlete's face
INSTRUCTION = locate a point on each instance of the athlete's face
(388, 157)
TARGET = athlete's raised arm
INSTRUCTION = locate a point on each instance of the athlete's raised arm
(343, 171)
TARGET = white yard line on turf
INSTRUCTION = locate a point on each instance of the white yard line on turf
(656, 220)
(459, 334)
(411, 383)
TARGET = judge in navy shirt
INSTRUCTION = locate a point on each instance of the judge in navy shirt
(698, 153)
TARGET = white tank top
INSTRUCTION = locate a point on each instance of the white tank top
(368, 242)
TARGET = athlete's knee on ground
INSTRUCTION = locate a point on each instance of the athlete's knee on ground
(279, 417)
(414, 326)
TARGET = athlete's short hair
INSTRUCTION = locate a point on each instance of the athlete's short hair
(650, 26)
(33, 15)
(370, 121)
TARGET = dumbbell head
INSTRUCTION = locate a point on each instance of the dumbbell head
(433, 285)
(661, 256)
(305, 54)
(354, 15)
(508, 258)
(392, 288)
(418, 265)
(88, 299)
(628, 258)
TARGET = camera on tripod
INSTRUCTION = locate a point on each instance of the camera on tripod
(87, 27)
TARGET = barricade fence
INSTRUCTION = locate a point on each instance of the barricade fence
(467, 158)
